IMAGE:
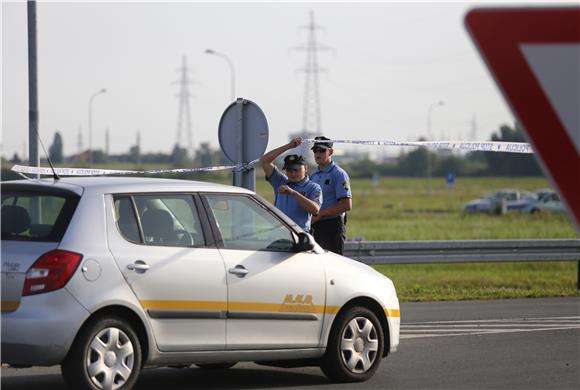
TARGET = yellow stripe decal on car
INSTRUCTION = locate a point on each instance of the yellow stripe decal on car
(275, 307)
(9, 305)
(246, 306)
(237, 306)
(332, 309)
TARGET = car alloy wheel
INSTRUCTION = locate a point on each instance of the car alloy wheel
(355, 346)
(110, 359)
(106, 355)
(359, 345)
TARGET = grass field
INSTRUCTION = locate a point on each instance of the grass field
(435, 282)
(400, 209)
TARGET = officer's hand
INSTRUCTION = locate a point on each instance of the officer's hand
(315, 218)
(295, 142)
(285, 190)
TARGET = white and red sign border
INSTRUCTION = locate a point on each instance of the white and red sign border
(499, 34)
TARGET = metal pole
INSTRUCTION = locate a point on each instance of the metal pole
(247, 177)
(239, 142)
(91, 131)
(431, 108)
(428, 152)
(232, 71)
(248, 174)
(33, 158)
(232, 80)
(91, 124)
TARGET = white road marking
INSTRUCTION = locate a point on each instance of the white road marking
(478, 327)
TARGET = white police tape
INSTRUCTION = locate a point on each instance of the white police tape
(22, 169)
(483, 146)
(492, 146)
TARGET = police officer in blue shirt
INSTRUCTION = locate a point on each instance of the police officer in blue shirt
(295, 194)
(329, 226)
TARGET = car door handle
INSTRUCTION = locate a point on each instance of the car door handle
(139, 266)
(238, 270)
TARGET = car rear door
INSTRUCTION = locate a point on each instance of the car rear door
(276, 297)
(34, 220)
(163, 248)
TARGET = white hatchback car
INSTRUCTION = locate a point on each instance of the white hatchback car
(106, 275)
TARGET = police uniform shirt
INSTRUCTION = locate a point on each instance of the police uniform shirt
(335, 184)
(288, 204)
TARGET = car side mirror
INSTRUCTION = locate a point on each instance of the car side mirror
(305, 242)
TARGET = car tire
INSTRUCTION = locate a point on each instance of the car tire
(355, 346)
(216, 366)
(106, 355)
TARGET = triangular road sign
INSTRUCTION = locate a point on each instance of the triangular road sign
(534, 55)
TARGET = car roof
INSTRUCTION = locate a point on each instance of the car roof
(108, 185)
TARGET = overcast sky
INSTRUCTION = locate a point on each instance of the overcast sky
(390, 62)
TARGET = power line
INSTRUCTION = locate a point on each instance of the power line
(184, 133)
(311, 117)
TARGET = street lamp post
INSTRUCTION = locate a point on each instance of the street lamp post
(232, 70)
(93, 96)
(431, 108)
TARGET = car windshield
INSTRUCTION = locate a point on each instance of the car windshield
(244, 224)
(544, 195)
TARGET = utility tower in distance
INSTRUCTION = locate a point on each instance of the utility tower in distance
(473, 133)
(80, 141)
(311, 119)
(184, 136)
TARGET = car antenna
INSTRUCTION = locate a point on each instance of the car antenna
(54, 175)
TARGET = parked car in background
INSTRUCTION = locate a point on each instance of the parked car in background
(497, 201)
(105, 275)
(545, 200)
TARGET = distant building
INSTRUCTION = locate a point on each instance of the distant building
(81, 157)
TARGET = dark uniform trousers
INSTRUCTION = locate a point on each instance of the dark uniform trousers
(330, 234)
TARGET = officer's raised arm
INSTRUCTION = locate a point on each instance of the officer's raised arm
(267, 160)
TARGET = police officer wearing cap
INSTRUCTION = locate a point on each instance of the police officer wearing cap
(329, 226)
(295, 194)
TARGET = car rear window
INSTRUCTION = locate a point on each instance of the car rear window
(34, 215)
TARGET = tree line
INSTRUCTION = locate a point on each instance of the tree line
(414, 163)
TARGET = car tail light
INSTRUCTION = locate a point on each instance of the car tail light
(50, 272)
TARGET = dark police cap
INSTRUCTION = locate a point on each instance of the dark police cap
(323, 145)
(293, 161)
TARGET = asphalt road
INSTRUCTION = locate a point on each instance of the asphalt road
(502, 344)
